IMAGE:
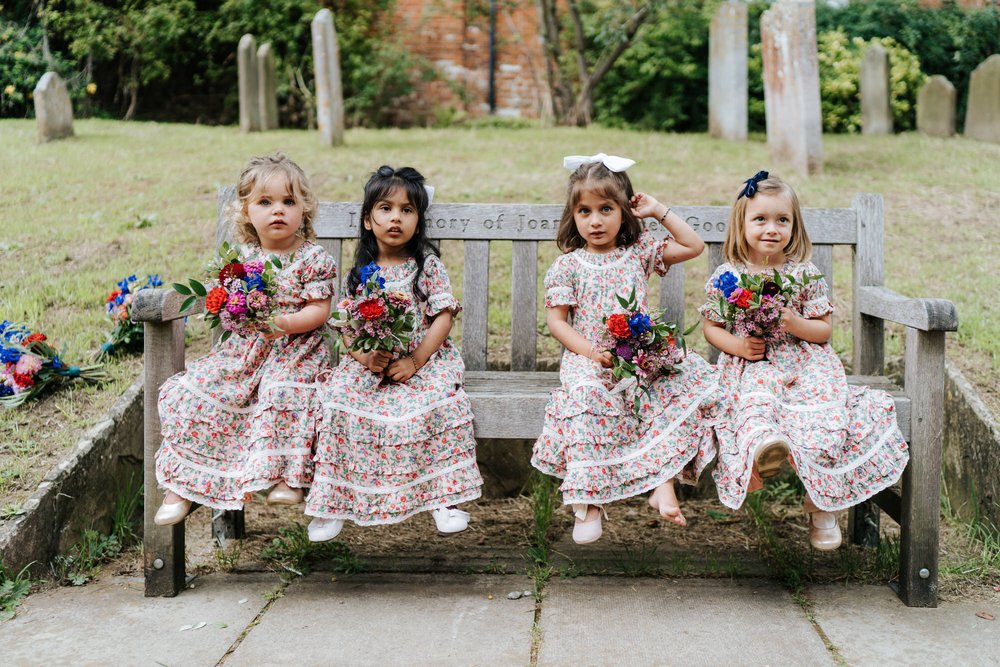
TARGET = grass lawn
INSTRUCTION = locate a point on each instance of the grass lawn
(123, 198)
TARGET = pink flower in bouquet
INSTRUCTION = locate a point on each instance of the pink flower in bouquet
(254, 266)
(398, 298)
(257, 300)
(28, 364)
(237, 304)
(741, 297)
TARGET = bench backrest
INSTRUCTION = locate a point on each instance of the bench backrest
(526, 224)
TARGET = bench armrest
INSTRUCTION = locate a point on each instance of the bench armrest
(920, 314)
(162, 305)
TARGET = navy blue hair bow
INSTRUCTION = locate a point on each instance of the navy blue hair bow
(750, 189)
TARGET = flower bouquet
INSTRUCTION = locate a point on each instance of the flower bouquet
(375, 319)
(29, 365)
(239, 296)
(751, 304)
(642, 347)
(126, 335)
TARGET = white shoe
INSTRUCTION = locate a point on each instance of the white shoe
(824, 531)
(769, 456)
(323, 530)
(450, 519)
(168, 515)
(586, 532)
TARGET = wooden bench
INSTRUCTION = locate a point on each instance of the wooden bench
(511, 404)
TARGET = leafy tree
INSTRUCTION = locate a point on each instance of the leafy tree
(143, 37)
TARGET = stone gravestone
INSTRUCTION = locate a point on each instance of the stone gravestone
(876, 105)
(267, 88)
(936, 107)
(246, 59)
(329, 93)
(727, 72)
(791, 85)
(53, 108)
(982, 116)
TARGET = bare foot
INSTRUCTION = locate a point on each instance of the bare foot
(664, 501)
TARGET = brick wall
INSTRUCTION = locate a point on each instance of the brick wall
(453, 35)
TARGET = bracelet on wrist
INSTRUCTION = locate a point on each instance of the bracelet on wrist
(665, 214)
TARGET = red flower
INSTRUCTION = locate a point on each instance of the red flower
(216, 299)
(34, 338)
(743, 297)
(232, 270)
(618, 326)
(113, 296)
(24, 380)
(371, 309)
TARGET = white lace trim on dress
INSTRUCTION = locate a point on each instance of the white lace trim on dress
(392, 420)
(170, 451)
(603, 267)
(382, 490)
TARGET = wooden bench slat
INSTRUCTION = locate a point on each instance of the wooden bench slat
(475, 301)
(539, 222)
(672, 294)
(524, 305)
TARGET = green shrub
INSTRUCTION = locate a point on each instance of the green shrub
(840, 69)
(22, 64)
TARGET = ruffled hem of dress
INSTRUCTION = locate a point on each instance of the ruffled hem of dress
(366, 429)
(227, 490)
(333, 497)
(392, 461)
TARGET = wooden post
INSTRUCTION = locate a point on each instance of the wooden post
(918, 549)
(524, 305)
(715, 258)
(163, 547)
(475, 298)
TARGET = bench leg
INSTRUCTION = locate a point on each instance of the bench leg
(228, 525)
(863, 524)
(921, 502)
(163, 547)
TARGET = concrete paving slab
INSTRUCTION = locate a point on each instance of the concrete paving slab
(870, 626)
(590, 621)
(110, 622)
(393, 619)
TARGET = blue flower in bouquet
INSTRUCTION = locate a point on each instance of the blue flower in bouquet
(124, 284)
(57, 362)
(726, 283)
(639, 323)
(367, 271)
(9, 355)
(254, 282)
(5, 390)
(154, 280)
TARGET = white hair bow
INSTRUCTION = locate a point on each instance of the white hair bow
(612, 162)
(430, 193)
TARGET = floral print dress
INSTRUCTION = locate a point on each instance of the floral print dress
(592, 438)
(387, 450)
(844, 440)
(243, 417)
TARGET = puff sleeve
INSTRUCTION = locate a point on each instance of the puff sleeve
(435, 285)
(559, 283)
(650, 251)
(319, 276)
(814, 298)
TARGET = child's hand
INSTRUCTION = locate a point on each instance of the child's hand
(402, 369)
(376, 360)
(752, 349)
(643, 205)
(788, 316)
(278, 325)
(605, 358)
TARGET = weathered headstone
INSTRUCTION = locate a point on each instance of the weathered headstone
(246, 61)
(267, 88)
(791, 85)
(727, 72)
(876, 105)
(936, 107)
(982, 115)
(53, 108)
(329, 93)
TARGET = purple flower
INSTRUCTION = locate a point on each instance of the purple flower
(624, 350)
(237, 304)
(254, 266)
(257, 301)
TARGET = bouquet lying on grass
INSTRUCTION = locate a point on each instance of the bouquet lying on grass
(642, 347)
(239, 296)
(29, 366)
(751, 304)
(375, 319)
(126, 335)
